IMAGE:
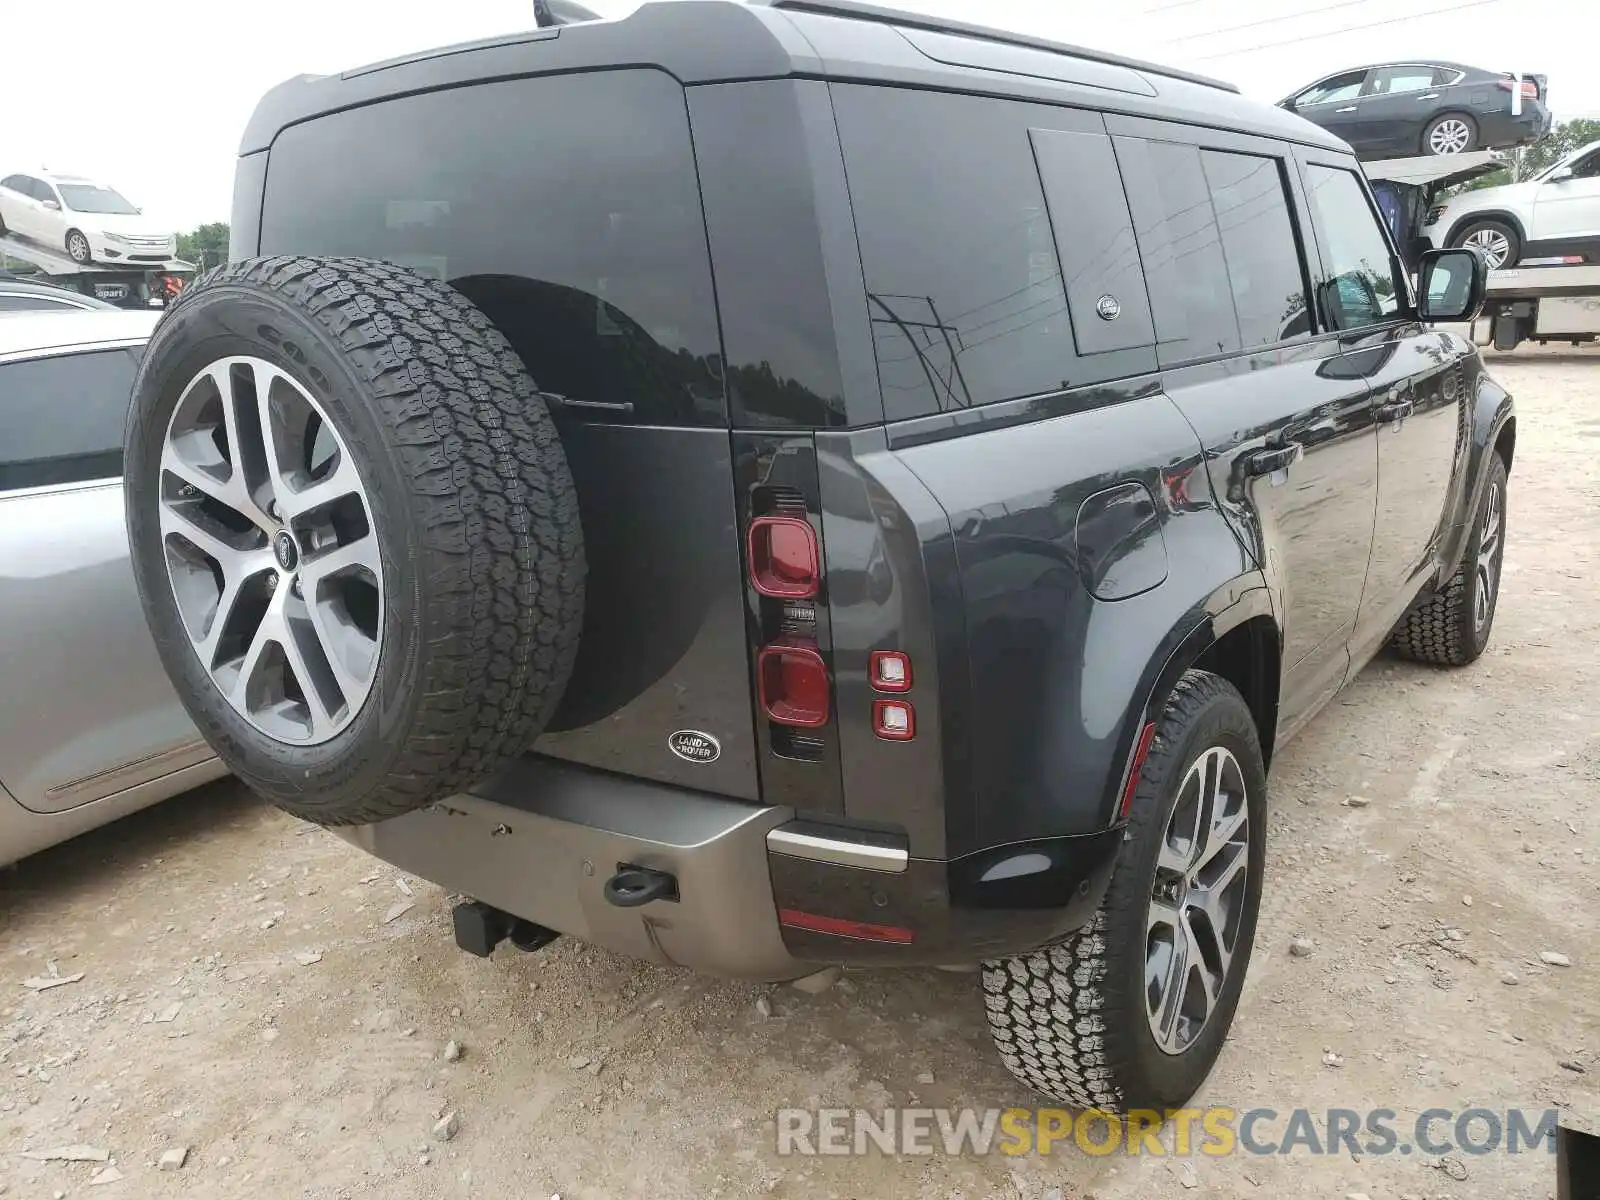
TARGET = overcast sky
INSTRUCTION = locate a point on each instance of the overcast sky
(152, 95)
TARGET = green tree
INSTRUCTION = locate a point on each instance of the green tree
(1525, 162)
(207, 246)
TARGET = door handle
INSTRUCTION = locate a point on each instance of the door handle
(1352, 108)
(1429, 96)
(1269, 462)
(1395, 410)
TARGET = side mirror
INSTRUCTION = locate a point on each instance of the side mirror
(1560, 175)
(1453, 284)
(52, 205)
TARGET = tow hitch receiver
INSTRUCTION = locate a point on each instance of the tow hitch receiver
(481, 927)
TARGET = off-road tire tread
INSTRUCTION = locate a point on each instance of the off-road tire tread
(501, 539)
(1439, 631)
(1050, 1014)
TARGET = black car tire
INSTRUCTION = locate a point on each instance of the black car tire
(1451, 628)
(78, 249)
(1070, 1020)
(1472, 132)
(1513, 240)
(472, 505)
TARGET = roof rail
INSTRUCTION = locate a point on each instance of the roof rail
(889, 16)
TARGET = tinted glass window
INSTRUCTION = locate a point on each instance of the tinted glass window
(1258, 243)
(963, 286)
(14, 182)
(1404, 79)
(1340, 87)
(20, 301)
(61, 418)
(566, 207)
(1360, 287)
(1587, 167)
(1181, 246)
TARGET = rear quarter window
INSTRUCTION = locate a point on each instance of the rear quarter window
(567, 207)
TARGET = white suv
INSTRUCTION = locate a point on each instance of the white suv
(1554, 215)
(90, 221)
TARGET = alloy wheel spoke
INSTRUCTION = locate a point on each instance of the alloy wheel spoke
(363, 552)
(303, 660)
(268, 633)
(1173, 987)
(1220, 833)
(250, 453)
(1197, 967)
(339, 483)
(1212, 902)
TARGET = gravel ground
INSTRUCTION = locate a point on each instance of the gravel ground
(270, 999)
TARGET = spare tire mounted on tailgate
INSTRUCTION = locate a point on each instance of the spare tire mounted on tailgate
(354, 533)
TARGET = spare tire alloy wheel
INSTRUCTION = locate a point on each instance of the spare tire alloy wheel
(354, 533)
(274, 567)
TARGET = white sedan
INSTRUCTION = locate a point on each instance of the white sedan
(90, 221)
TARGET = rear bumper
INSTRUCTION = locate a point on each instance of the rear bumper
(1499, 130)
(761, 895)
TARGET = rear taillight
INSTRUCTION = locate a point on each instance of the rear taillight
(793, 682)
(1530, 90)
(784, 562)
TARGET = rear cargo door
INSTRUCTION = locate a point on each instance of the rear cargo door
(567, 207)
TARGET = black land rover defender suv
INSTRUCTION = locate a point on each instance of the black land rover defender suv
(775, 485)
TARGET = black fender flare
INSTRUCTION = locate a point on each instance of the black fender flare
(1493, 418)
(1246, 597)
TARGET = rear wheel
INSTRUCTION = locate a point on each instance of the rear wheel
(1451, 628)
(78, 247)
(354, 533)
(1495, 240)
(1452, 133)
(1132, 1010)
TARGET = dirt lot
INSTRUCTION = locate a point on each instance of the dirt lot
(204, 1018)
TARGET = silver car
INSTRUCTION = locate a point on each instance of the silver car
(89, 727)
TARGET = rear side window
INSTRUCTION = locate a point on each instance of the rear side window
(567, 207)
(1258, 243)
(1360, 288)
(61, 418)
(1180, 243)
(1404, 79)
(964, 290)
(1220, 255)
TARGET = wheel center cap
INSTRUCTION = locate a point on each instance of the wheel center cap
(285, 550)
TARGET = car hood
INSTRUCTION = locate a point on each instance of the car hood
(117, 223)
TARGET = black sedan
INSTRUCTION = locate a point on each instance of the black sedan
(1399, 109)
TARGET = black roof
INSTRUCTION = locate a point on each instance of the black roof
(714, 41)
